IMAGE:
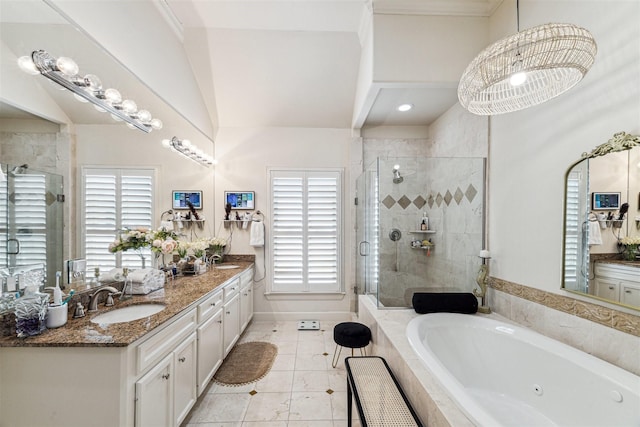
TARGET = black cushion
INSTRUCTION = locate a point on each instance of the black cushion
(351, 335)
(445, 302)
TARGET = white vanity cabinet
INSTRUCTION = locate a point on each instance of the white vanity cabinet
(231, 316)
(209, 338)
(246, 298)
(618, 282)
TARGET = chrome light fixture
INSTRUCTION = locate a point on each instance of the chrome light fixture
(188, 150)
(527, 68)
(64, 71)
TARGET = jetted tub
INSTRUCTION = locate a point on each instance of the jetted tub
(503, 375)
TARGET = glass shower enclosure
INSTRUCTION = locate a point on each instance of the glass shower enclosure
(395, 257)
(31, 222)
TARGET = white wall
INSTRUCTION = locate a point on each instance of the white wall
(243, 155)
(530, 150)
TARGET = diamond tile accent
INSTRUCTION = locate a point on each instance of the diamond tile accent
(329, 391)
(388, 202)
(471, 192)
(419, 202)
(439, 199)
(404, 202)
(430, 200)
(458, 195)
(253, 392)
(325, 354)
(448, 197)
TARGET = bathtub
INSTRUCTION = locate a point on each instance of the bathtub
(503, 375)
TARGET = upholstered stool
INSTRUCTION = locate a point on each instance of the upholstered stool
(351, 335)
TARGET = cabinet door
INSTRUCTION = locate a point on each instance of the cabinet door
(607, 288)
(231, 323)
(245, 307)
(184, 394)
(209, 350)
(154, 392)
(630, 293)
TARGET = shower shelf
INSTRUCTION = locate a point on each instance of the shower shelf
(423, 232)
(431, 246)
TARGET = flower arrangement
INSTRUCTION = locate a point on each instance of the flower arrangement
(630, 244)
(217, 243)
(135, 239)
(163, 241)
(182, 248)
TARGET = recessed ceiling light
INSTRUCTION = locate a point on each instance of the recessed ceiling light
(405, 107)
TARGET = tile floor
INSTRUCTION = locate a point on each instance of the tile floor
(301, 390)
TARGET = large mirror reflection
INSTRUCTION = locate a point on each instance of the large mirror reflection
(602, 223)
(55, 134)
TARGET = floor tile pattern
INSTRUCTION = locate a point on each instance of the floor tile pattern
(301, 390)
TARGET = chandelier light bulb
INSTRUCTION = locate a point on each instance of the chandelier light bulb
(27, 65)
(113, 96)
(130, 126)
(518, 78)
(116, 118)
(129, 106)
(99, 108)
(67, 66)
(156, 124)
(166, 143)
(79, 98)
(186, 143)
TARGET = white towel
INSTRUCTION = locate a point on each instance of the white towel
(257, 234)
(595, 238)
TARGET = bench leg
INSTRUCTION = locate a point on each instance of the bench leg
(349, 403)
(335, 360)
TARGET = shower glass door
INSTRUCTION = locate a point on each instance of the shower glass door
(31, 220)
(367, 232)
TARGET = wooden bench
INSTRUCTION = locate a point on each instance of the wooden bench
(379, 398)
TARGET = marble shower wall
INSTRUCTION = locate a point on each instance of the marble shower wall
(451, 193)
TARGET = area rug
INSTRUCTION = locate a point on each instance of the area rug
(246, 363)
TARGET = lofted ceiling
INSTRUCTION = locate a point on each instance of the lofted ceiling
(296, 62)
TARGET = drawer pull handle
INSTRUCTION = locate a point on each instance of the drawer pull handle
(182, 359)
(219, 321)
(165, 376)
(246, 294)
(213, 304)
(228, 312)
(611, 287)
(628, 291)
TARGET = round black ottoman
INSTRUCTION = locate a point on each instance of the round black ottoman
(351, 335)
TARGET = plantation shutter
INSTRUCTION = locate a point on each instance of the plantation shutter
(29, 227)
(115, 199)
(573, 229)
(306, 213)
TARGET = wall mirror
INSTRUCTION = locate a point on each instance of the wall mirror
(50, 131)
(593, 261)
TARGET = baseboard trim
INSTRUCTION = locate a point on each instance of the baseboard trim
(338, 316)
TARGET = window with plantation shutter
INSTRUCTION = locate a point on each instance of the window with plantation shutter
(306, 216)
(575, 250)
(115, 199)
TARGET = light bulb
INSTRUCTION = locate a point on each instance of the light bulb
(404, 107)
(92, 82)
(166, 143)
(518, 78)
(213, 161)
(113, 96)
(186, 143)
(66, 66)
(27, 65)
(130, 126)
(144, 116)
(129, 106)
(116, 118)
(99, 108)
(156, 124)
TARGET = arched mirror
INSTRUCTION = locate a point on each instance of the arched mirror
(602, 223)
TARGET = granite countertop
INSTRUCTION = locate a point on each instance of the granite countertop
(619, 262)
(177, 295)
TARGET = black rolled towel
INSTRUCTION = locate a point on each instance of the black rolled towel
(445, 302)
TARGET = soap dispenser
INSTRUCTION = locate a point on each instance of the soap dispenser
(424, 224)
(57, 292)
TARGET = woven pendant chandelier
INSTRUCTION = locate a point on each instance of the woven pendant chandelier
(527, 68)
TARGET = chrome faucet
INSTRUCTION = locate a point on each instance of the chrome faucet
(93, 302)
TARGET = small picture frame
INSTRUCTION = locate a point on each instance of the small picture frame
(605, 201)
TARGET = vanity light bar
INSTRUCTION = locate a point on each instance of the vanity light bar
(64, 72)
(190, 151)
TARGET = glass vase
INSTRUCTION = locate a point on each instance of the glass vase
(630, 252)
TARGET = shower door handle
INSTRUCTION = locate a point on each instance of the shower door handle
(364, 244)
(17, 249)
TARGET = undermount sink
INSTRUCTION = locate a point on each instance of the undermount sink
(129, 313)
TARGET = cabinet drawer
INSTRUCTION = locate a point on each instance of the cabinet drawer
(231, 289)
(158, 346)
(209, 306)
(246, 278)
